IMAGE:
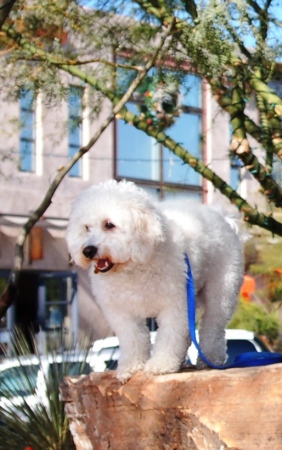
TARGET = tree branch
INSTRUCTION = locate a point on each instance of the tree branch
(191, 8)
(266, 93)
(241, 123)
(5, 9)
(240, 145)
(251, 215)
(8, 296)
(266, 139)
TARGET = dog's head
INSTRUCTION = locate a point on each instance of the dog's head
(114, 224)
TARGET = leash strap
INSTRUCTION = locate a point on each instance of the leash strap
(248, 359)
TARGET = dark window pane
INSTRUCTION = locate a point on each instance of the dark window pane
(138, 153)
(74, 368)
(27, 137)
(74, 126)
(192, 91)
(187, 132)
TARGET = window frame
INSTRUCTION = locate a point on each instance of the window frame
(161, 185)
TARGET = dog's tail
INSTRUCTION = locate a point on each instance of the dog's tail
(234, 220)
(234, 223)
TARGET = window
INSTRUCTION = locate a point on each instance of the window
(140, 157)
(27, 133)
(57, 308)
(75, 126)
(235, 171)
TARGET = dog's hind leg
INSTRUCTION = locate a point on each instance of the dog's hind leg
(212, 340)
(219, 300)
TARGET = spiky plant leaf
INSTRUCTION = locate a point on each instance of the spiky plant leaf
(37, 420)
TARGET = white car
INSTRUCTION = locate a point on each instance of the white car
(24, 379)
(238, 341)
(17, 389)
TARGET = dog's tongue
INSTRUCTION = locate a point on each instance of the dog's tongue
(103, 264)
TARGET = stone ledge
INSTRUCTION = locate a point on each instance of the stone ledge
(236, 409)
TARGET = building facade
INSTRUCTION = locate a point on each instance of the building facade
(54, 297)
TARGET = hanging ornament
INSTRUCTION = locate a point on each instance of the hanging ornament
(160, 101)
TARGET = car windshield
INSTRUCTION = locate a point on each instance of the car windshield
(237, 346)
(18, 381)
(111, 364)
(59, 370)
(109, 357)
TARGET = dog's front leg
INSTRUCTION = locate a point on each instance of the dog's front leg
(171, 344)
(134, 340)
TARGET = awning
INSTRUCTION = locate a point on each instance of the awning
(11, 223)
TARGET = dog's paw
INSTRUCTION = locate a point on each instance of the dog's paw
(201, 365)
(161, 367)
(124, 373)
(216, 361)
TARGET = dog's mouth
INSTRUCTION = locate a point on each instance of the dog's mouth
(103, 265)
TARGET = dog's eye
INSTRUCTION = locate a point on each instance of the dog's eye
(109, 225)
(87, 228)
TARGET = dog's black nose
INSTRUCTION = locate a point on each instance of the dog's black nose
(90, 251)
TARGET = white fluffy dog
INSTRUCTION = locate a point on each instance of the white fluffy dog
(135, 251)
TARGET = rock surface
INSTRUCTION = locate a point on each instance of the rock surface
(238, 409)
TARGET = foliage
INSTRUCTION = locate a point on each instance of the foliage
(253, 317)
(268, 255)
(159, 100)
(233, 45)
(251, 254)
(267, 267)
(40, 425)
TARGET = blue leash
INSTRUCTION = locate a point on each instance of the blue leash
(249, 359)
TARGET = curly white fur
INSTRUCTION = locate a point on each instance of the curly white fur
(134, 249)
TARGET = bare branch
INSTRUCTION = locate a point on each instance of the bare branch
(273, 100)
(240, 145)
(191, 8)
(251, 215)
(77, 62)
(5, 9)
(8, 296)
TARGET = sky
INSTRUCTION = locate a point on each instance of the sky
(275, 37)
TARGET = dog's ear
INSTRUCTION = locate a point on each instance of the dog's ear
(148, 224)
(148, 231)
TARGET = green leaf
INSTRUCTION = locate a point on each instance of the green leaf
(42, 425)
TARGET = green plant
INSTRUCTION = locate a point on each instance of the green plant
(39, 423)
(160, 98)
(266, 267)
(253, 317)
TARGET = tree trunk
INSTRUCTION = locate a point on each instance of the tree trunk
(197, 410)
